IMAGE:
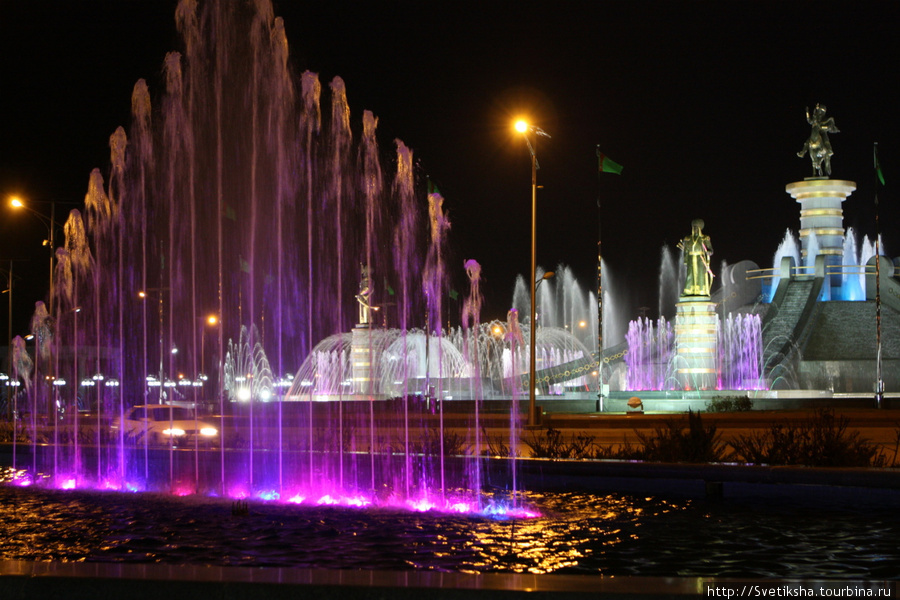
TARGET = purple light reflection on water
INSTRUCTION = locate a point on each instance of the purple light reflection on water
(804, 536)
(433, 504)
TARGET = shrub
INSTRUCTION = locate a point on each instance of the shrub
(551, 443)
(729, 404)
(675, 443)
(821, 441)
(497, 445)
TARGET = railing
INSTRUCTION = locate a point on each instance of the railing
(768, 274)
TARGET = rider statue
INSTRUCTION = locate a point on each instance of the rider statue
(697, 251)
(364, 297)
(817, 145)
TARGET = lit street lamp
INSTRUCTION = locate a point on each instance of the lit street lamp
(524, 128)
(51, 225)
(9, 290)
(143, 294)
(208, 321)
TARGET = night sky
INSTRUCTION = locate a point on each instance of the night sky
(701, 102)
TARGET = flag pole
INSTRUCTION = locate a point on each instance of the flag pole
(604, 165)
(879, 380)
(599, 294)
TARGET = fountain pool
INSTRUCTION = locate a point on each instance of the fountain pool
(578, 533)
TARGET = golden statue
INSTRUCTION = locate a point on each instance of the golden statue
(364, 297)
(817, 145)
(697, 251)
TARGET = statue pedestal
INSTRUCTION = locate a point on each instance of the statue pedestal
(696, 343)
(362, 357)
(821, 214)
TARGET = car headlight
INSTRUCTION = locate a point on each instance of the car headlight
(174, 431)
(209, 431)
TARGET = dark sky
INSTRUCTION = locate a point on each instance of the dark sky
(702, 102)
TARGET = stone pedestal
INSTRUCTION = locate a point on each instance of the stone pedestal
(821, 213)
(362, 359)
(696, 344)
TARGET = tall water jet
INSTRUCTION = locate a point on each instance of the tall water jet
(241, 202)
(787, 248)
(651, 359)
(471, 326)
(615, 311)
(668, 282)
(651, 347)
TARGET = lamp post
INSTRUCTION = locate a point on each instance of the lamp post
(208, 321)
(524, 128)
(9, 350)
(18, 203)
(9, 290)
(143, 294)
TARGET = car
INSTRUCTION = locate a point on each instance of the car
(166, 424)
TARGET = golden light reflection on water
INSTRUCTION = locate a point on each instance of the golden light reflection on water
(560, 539)
(575, 527)
(578, 533)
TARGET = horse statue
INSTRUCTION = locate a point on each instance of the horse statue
(817, 145)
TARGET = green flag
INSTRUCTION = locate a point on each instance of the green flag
(878, 172)
(229, 212)
(608, 165)
(245, 266)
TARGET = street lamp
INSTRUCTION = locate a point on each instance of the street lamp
(143, 295)
(208, 321)
(524, 128)
(9, 290)
(18, 203)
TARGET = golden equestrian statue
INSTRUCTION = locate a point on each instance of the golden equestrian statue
(817, 145)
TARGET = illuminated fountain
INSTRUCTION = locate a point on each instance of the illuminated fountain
(767, 340)
(244, 193)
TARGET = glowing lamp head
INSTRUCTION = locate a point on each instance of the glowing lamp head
(212, 320)
(521, 126)
(16, 202)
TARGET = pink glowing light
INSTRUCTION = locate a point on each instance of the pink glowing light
(421, 505)
(460, 507)
(356, 501)
(22, 479)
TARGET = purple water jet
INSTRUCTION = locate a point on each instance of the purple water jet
(230, 195)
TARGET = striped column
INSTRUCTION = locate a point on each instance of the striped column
(362, 358)
(821, 213)
(696, 344)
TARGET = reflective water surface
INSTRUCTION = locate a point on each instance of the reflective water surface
(614, 534)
